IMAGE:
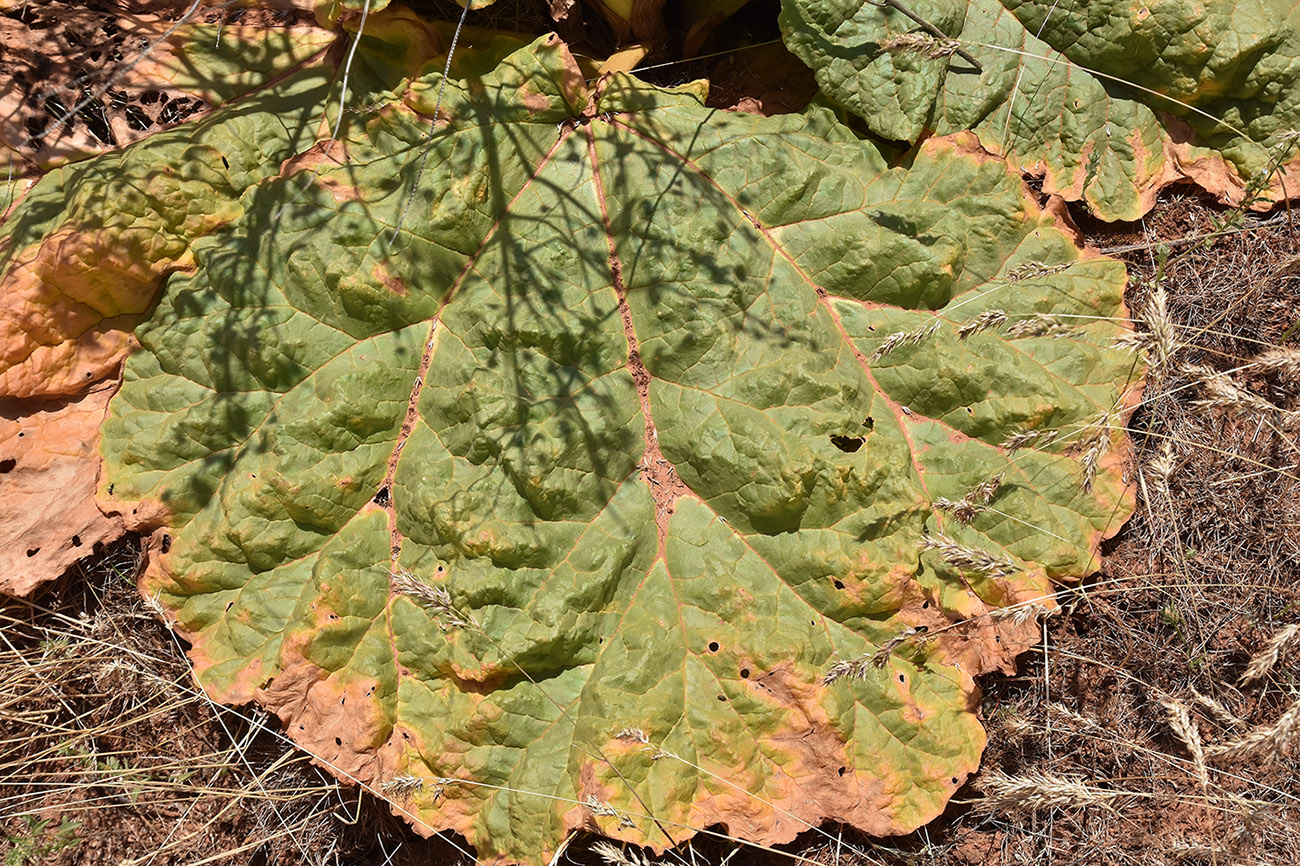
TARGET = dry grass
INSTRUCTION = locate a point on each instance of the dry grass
(1157, 724)
(110, 755)
(1160, 725)
(1166, 686)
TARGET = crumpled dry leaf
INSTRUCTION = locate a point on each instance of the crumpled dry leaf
(49, 469)
(82, 256)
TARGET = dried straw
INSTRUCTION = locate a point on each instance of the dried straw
(904, 338)
(983, 322)
(924, 44)
(1036, 791)
(1264, 662)
(1265, 743)
(969, 558)
(1185, 728)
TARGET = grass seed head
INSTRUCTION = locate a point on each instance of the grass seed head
(1019, 614)
(402, 786)
(1037, 791)
(983, 322)
(966, 558)
(965, 509)
(904, 338)
(1264, 662)
(1032, 270)
(924, 44)
(1185, 728)
(1026, 438)
(434, 598)
(1265, 743)
(615, 856)
(1042, 325)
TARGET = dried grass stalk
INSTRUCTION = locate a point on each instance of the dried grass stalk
(1265, 743)
(1185, 728)
(1264, 662)
(615, 856)
(1036, 438)
(904, 338)
(1042, 325)
(434, 598)
(965, 509)
(924, 44)
(1036, 791)
(965, 558)
(983, 322)
(1031, 270)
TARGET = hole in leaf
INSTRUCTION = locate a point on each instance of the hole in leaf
(713, 646)
(722, 697)
(955, 781)
(166, 544)
(843, 770)
(338, 741)
(137, 118)
(848, 444)
(902, 679)
(8, 464)
(76, 541)
(869, 423)
(382, 498)
(744, 673)
(32, 551)
(225, 162)
(839, 584)
(925, 605)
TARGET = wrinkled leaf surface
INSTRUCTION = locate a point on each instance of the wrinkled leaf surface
(616, 386)
(1108, 101)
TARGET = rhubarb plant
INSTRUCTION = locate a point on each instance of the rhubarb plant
(594, 460)
(1108, 102)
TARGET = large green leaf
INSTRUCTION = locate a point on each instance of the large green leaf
(1108, 101)
(549, 496)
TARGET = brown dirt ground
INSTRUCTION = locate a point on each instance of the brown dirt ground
(103, 736)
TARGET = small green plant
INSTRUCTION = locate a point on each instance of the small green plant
(38, 840)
